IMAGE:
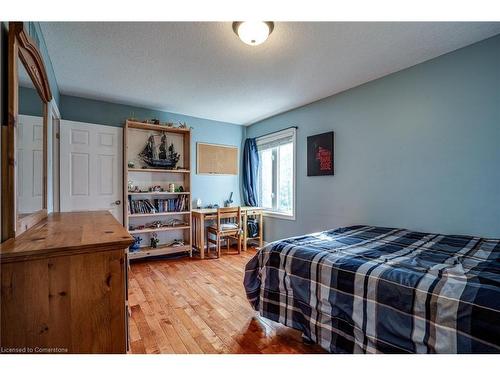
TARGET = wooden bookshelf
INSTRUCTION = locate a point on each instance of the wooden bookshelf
(145, 252)
(162, 229)
(158, 128)
(135, 137)
(156, 170)
(160, 214)
(159, 193)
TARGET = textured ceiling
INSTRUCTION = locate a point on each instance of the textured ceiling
(204, 70)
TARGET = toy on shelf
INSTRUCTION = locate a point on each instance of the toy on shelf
(156, 156)
(172, 223)
(175, 243)
(154, 240)
(136, 245)
(175, 223)
(156, 188)
(130, 185)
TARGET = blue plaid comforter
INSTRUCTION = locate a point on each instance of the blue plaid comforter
(367, 289)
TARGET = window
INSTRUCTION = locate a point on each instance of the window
(277, 173)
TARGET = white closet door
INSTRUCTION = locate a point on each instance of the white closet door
(91, 168)
(29, 163)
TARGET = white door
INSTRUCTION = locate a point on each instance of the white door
(91, 167)
(29, 163)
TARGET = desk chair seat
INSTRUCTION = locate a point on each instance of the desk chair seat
(228, 226)
(225, 226)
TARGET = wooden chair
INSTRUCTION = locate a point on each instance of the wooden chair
(227, 226)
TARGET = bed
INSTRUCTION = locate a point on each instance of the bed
(364, 289)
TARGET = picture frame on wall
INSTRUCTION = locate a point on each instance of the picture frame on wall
(320, 152)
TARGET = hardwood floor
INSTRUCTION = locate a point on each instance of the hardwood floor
(199, 306)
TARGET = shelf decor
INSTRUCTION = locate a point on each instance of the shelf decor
(156, 155)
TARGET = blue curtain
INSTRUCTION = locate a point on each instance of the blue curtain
(250, 172)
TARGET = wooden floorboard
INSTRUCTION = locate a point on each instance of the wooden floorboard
(199, 306)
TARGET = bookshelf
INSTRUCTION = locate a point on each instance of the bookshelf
(143, 207)
(159, 170)
(159, 214)
(154, 193)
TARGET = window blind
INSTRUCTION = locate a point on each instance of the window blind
(275, 139)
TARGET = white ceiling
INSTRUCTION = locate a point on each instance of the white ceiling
(202, 69)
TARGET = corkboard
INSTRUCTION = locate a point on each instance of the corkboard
(216, 159)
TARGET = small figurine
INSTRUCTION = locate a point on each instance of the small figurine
(154, 240)
(136, 245)
(182, 125)
(174, 223)
(169, 124)
(130, 186)
(156, 224)
(175, 243)
(131, 164)
(155, 121)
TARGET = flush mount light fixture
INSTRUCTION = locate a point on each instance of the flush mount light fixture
(253, 32)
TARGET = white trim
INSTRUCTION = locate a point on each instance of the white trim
(55, 108)
(56, 167)
(278, 215)
(290, 132)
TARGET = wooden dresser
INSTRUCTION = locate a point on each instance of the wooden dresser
(64, 286)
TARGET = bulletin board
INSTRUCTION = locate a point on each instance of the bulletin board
(216, 159)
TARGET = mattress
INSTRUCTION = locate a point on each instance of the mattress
(365, 289)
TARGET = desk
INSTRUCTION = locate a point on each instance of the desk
(201, 215)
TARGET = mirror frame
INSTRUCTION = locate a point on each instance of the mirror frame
(21, 45)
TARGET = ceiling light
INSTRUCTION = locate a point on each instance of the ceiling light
(253, 32)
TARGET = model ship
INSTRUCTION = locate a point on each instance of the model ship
(156, 154)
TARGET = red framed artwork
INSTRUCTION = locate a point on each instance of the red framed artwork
(320, 155)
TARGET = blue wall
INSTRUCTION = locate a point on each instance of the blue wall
(211, 189)
(418, 149)
(30, 102)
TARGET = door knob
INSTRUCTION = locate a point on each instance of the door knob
(118, 202)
